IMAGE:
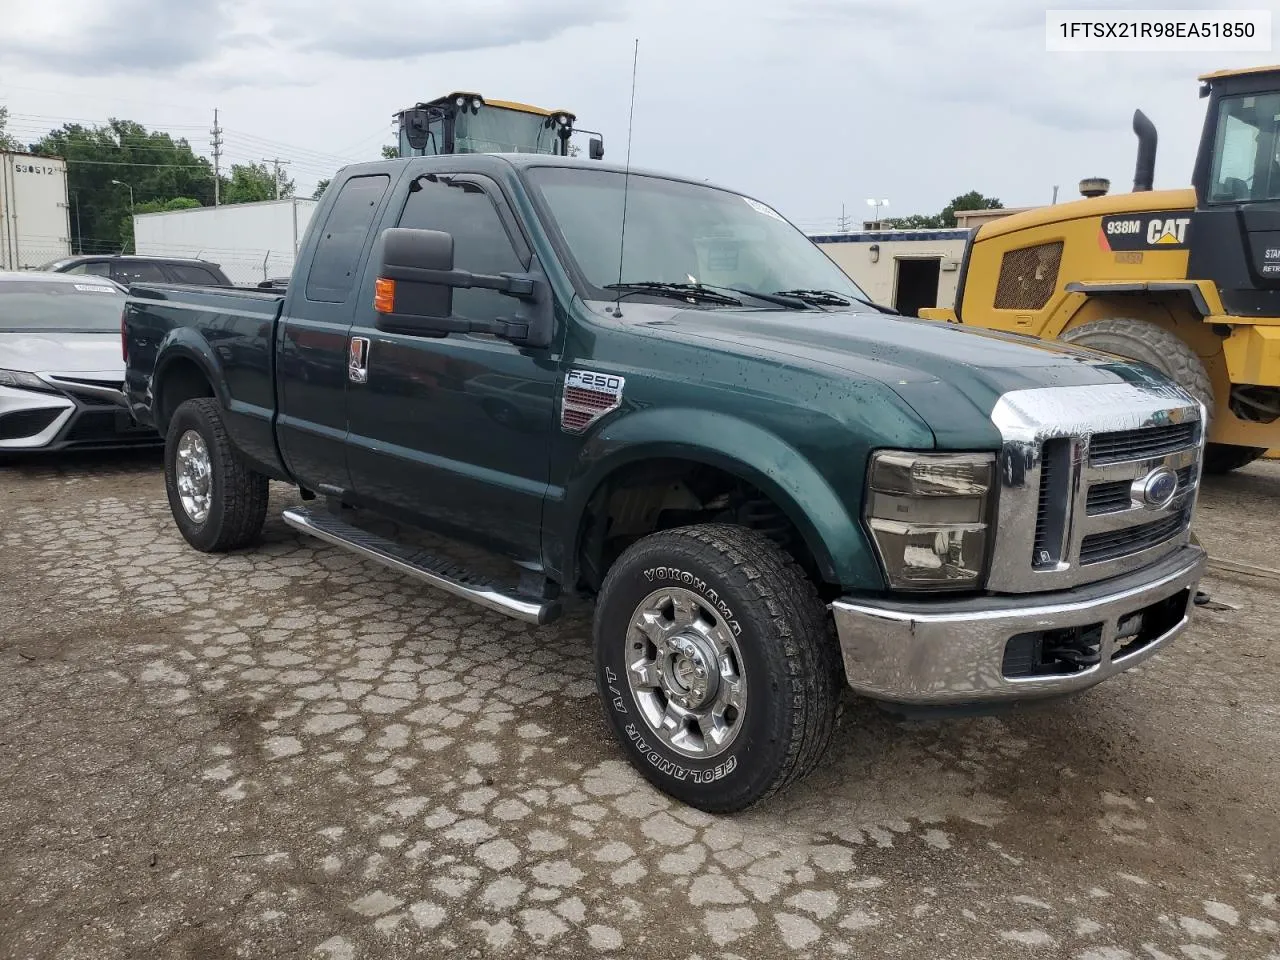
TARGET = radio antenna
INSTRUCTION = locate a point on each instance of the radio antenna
(626, 181)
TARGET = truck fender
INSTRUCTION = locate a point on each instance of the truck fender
(742, 449)
(185, 344)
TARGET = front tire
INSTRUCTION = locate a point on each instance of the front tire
(1166, 352)
(217, 501)
(716, 664)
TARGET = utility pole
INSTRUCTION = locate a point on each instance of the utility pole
(216, 143)
(276, 163)
(843, 223)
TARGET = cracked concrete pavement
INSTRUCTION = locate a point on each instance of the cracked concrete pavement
(288, 751)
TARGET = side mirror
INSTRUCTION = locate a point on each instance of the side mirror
(415, 127)
(408, 263)
(413, 293)
(595, 148)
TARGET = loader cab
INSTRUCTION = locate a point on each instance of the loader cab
(468, 123)
(1236, 231)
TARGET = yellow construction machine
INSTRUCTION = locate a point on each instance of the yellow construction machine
(462, 122)
(1186, 280)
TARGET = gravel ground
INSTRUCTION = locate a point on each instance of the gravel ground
(291, 752)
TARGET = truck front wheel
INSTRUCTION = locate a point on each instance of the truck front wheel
(1166, 352)
(217, 502)
(716, 664)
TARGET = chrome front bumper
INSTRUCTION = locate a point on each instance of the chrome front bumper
(954, 652)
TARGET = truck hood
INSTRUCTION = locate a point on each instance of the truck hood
(951, 375)
(63, 353)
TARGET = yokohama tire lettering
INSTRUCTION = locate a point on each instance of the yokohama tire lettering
(693, 582)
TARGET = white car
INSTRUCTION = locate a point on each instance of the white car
(61, 367)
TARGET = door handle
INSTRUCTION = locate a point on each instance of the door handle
(358, 360)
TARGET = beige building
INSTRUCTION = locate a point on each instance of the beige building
(908, 269)
(903, 269)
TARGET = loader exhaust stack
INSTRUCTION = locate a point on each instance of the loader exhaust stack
(1144, 172)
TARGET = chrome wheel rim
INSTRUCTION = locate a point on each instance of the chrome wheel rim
(685, 672)
(194, 476)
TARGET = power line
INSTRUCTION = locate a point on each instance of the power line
(131, 163)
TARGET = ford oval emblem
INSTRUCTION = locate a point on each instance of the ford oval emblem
(1159, 488)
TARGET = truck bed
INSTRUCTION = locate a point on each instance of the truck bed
(209, 341)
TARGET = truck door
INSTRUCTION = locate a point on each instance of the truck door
(453, 432)
(314, 339)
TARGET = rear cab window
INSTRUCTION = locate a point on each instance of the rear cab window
(337, 255)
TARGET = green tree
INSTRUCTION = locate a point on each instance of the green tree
(390, 151)
(105, 163)
(6, 142)
(973, 200)
(917, 221)
(321, 187)
(250, 182)
(162, 206)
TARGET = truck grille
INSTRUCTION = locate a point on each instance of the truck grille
(1115, 495)
(1075, 465)
(1097, 547)
(1141, 444)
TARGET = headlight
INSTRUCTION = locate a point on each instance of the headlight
(928, 514)
(24, 381)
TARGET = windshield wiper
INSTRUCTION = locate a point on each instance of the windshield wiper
(829, 298)
(825, 298)
(680, 291)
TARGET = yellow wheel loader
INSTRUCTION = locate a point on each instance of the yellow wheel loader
(1185, 280)
(462, 122)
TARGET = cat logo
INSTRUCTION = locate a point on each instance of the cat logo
(1171, 231)
(1148, 231)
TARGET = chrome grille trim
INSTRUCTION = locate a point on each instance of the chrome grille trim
(1120, 415)
(1124, 445)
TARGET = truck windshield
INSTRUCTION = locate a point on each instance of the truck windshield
(680, 232)
(1246, 150)
(500, 130)
(31, 305)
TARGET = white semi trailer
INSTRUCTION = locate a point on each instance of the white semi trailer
(251, 241)
(34, 221)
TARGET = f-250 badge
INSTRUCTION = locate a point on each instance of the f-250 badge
(1169, 230)
(588, 396)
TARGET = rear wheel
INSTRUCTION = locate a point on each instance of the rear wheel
(716, 664)
(1163, 350)
(217, 501)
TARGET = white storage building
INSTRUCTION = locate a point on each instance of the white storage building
(251, 241)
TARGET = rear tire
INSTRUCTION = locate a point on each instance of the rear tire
(217, 501)
(727, 600)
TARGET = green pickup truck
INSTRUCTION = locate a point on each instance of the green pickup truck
(769, 487)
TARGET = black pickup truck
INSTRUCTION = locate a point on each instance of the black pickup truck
(769, 486)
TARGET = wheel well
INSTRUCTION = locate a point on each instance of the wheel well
(645, 497)
(182, 380)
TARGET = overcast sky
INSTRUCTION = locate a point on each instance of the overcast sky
(805, 103)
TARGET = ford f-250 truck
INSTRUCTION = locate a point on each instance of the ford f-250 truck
(769, 486)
